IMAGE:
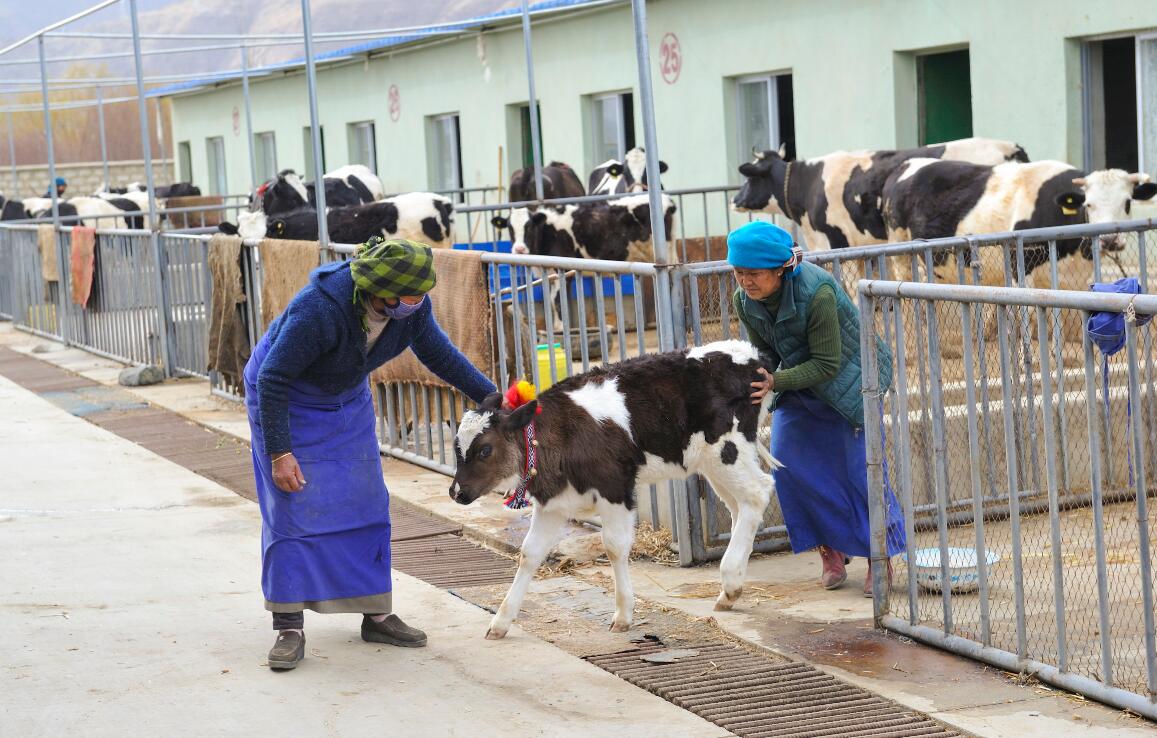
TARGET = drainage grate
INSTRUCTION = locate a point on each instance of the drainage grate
(753, 695)
(423, 546)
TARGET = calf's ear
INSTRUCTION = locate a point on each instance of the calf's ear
(1144, 191)
(499, 222)
(227, 228)
(1070, 202)
(615, 170)
(749, 170)
(492, 402)
(519, 419)
(662, 167)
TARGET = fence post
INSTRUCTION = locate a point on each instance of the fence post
(164, 311)
(535, 134)
(314, 131)
(103, 137)
(873, 440)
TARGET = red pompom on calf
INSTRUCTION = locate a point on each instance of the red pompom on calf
(587, 442)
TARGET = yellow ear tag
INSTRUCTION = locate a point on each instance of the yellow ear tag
(1068, 211)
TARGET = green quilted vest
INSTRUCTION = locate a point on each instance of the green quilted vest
(787, 334)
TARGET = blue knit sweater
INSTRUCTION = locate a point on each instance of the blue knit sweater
(319, 339)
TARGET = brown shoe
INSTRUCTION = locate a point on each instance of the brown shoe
(392, 631)
(834, 573)
(868, 578)
(288, 649)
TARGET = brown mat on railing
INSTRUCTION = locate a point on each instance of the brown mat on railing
(81, 263)
(49, 262)
(462, 307)
(228, 339)
(285, 268)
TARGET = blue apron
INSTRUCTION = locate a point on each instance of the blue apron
(823, 485)
(332, 539)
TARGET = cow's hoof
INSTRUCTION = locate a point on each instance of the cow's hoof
(724, 602)
(620, 627)
(495, 635)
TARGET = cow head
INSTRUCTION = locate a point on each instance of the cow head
(284, 193)
(250, 226)
(1106, 196)
(489, 449)
(762, 190)
(635, 163)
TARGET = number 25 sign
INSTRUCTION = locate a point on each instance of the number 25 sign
(670, 58)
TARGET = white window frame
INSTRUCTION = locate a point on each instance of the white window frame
(596, 124)
(356, 134)
(769, 81)
(215, 153)
(1138, 41)
(437, 122)
(265, 145)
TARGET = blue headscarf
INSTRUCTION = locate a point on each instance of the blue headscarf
(762, 245)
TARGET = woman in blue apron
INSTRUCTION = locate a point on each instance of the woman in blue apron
(804, 322)
(325, 510)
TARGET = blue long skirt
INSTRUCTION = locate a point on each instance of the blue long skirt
(823, 485)
(330, 541)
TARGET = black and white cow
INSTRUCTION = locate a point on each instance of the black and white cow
(12, 209)
(353, 184)
(619, 230)
(602, 434)
(96, 212)
(930, 198)
(558, 180)
(419, 216)
(836, 198)
(628, 175)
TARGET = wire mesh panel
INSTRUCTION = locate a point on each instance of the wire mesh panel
(35, 284)
(1024, 482)
(187, 273)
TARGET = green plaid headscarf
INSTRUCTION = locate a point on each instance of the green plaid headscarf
(392, 269)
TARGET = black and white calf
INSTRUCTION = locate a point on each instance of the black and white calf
(836, 199)
(619, 230)
(929, 198)
(353, 184)
(558, 180)
(599, 435)
(629, 175)
(419, 216)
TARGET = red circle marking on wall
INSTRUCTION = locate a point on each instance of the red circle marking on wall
(395, 103)
(670, 58)
(236, 121)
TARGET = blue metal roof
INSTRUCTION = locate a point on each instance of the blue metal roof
(368, 46)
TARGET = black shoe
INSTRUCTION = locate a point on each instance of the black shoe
(287, 650)
(392, 631)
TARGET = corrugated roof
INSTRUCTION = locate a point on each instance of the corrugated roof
(369, 46)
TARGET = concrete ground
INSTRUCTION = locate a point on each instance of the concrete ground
(91, 531)
(132, 606)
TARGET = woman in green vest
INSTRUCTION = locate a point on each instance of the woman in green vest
(809, 329)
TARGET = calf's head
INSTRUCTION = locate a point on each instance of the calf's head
(490, 449)
(250, 226)
(1107, 196)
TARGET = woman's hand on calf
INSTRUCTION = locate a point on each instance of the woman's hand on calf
(761, 387)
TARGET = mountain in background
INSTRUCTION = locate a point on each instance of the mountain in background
(75, 131)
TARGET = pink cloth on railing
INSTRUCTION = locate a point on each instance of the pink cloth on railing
(81, 264)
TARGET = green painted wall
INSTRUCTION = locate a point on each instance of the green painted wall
(853, 66)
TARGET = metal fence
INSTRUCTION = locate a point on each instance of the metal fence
(1022, 481)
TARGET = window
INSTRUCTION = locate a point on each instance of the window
(265, 154)
(363, 150)
(765, 115)
(1120, 80)
(185, 162)
(612, 126)
(943, 97)
(445, 152)
(218, 182)
(307, 147)
(525, 137)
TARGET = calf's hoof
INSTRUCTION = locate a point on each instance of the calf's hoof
(725, 602)
(620, 627)
(495, 635)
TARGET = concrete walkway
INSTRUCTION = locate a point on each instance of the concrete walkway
(783, 610)
(132, 606)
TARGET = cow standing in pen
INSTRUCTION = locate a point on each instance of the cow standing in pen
(589, 441)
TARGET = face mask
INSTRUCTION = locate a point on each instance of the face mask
(403, 310)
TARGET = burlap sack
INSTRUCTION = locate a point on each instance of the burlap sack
(285, 268)
(82, 260)
(462, 307)
(228, 337)
(49, 262)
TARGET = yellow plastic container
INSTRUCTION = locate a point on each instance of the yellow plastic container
(545, 355)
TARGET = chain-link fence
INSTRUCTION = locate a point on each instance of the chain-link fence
(1023, 481)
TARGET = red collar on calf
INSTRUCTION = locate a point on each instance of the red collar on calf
(518, 499)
